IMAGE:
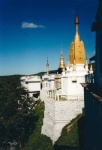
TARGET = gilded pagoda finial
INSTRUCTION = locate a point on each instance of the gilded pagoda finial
(77, 51)
(62, 64)
(77, 37)
(47, 67)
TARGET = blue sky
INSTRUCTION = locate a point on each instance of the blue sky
(32, 30)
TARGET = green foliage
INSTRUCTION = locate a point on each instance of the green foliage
(8, 96)
(37, 141)
(15, 125)
(71, 138)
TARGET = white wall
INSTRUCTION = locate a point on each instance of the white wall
(72, 88)
(31, 83)
(48, 82)
(34, 86)
(57, 114)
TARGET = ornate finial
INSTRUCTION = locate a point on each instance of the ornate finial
(62, 64)
(76, 20)
(47, 66)
(61, 54)
(86, 64)
(91, 68)
(77, 50)
(77, 37)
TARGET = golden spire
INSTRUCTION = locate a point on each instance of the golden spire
(77, 52)
(62, 64)
(77, 37)
(47, 67)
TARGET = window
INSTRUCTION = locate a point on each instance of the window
(74, 81)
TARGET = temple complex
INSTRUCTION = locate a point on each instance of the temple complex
(62, 92)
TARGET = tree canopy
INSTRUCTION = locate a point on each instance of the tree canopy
(15, 125)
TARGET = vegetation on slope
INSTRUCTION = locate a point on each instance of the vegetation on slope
(68, 140)
(15, 125)
(72, 135)
(37, 141)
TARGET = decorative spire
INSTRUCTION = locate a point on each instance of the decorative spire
(77, 37)
(91, 68)
(77, 51)
(61, 54)
(62, 64)
(86, 64)
(47, 67)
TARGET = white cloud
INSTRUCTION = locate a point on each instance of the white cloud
(31, 25)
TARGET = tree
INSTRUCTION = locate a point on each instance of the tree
(15, 125)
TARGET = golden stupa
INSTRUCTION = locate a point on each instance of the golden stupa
(62, 64)
(77, 52)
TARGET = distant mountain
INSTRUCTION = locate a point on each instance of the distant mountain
(42, 73)
(38, 74)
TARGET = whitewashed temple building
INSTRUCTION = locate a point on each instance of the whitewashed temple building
(62, 92)
(31, 84)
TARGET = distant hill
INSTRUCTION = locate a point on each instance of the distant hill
(38, 74)
(15, 75)
(42, 73)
